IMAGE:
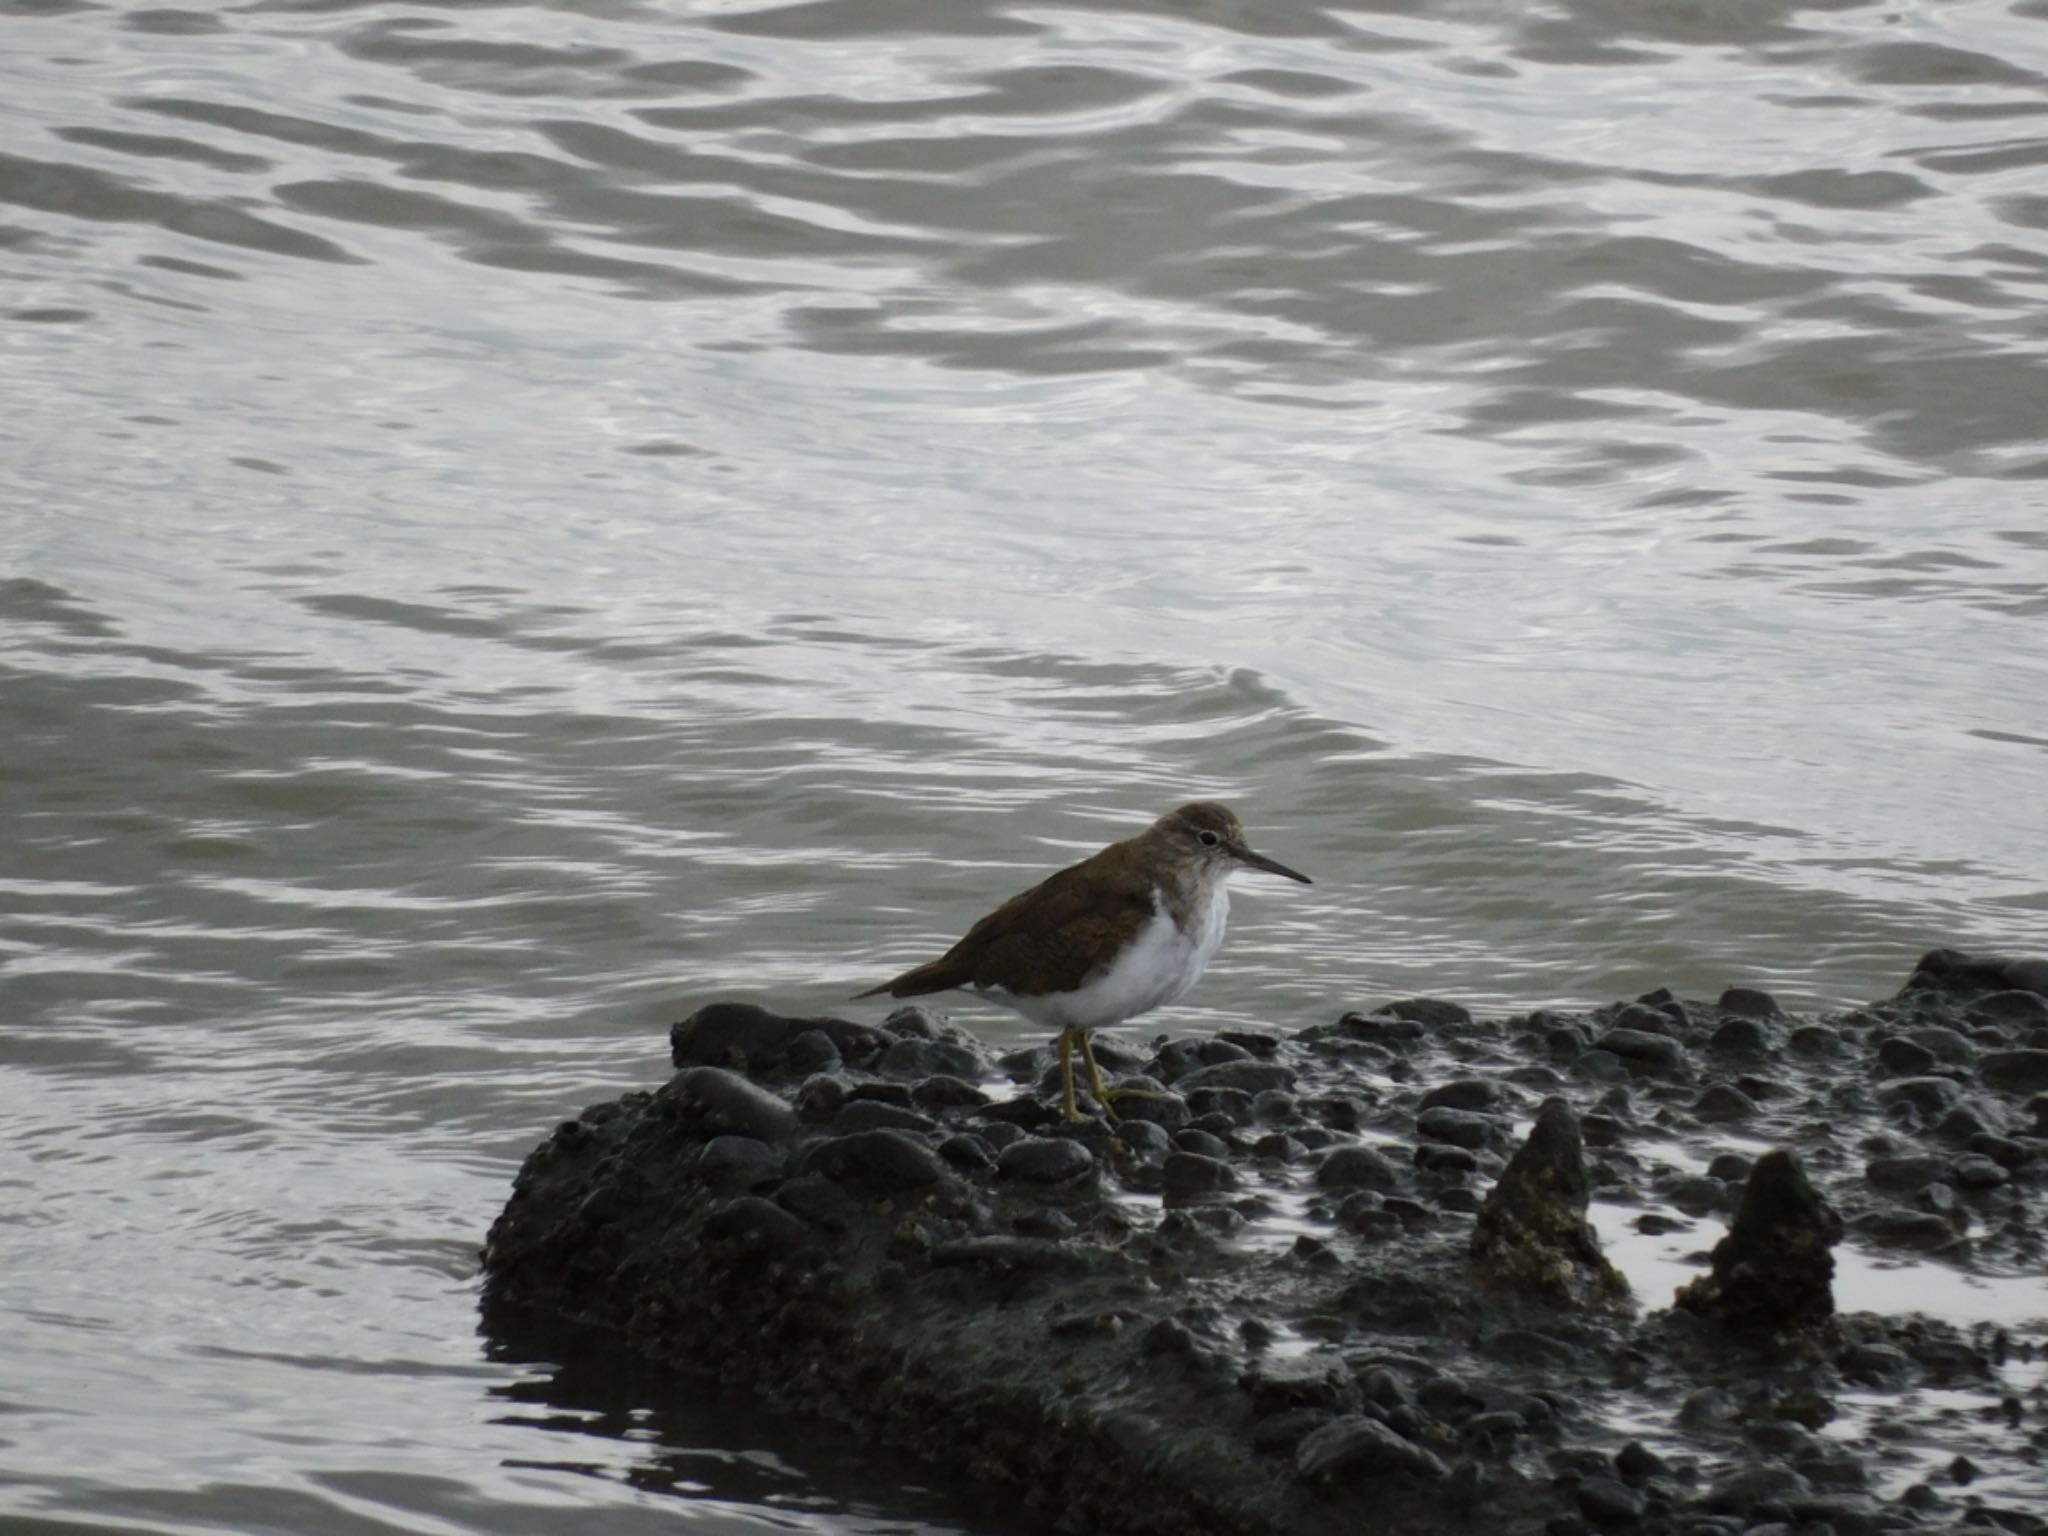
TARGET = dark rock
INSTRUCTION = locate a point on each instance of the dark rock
(1739, 1037)
(1609, 1504)
(880, 1162)
(1773, 1272)
(1730, 1167)
(1045, 1160)
(724, 1103)
(1233, 1104)
(1354, 1167)
(738, 1160)
(1145, 1137)
(1723, 1102)
(1460, 1127)
(1649, 1021)
(1904, 1058)
(966, 1150)
(1748, 1002)
(1905, 1173)
(1440, 1157)
(1190, 1174)
(1814, 1041)
(1246, 1076)
(873, 1114)
(1949, 1045)
(1429, 1011)
(2023, 1071)
(1532, 1237)
(939, 1093)
(1463, 1093)
(1648, 1052)
(1167, 1110)
(753, 1223)
(1929, 1095)
(1354, 1448)
(1908, 1229)
(1206, 1143)
(736, 1035)
(1973, 1171)
(1743, 1491)
(2015, 1008)
(811, 1051)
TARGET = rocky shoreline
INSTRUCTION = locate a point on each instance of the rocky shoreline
(1344, 1279)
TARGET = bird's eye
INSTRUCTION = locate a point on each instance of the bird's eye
(1210, 839)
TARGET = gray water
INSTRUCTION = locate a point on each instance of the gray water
(516, 521)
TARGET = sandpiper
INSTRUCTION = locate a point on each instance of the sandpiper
(1116, 935)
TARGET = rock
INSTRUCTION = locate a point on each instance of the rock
(912, 1058)
(879, 1162)
(738, 1160)
(810, 1051)
(1748, 1003)
(1246, 1076)
(1929, 1095)
(1645, 1051)
(1774, 1270)
(1949, 1045)
(2023, 1071)
(872, 1114)
(1739, 1037)
(1432, 1012)
(1045, 1160)
(1901, 1174)
(1532, 1237)
(1463, 1093)
(1647, 1020)
(1723, 1102)
(724, 1103)
(939, 1093)
(2013, 1008)
(1460, 1127)
(755, 1224)
(1609, 1504)
(1353, 1448)
(735, 1035)
(1973, 1171)
(1191, 1174)
(1904, 1058)
(1356, 1167)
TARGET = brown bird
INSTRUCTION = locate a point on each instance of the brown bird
(1118, 934)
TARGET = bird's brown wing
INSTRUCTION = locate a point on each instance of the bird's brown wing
(1047, 939)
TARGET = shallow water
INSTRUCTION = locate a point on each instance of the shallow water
(516, 521)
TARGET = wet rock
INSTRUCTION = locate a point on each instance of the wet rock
(1207, 1143)
(1192, 1174)
(873, 1114)
(1460, 1127)
(1730, 1167)
(879, 1162)
(966, 1150)
(1045, 1160)
(1431, 1012)
(1475, 1093)
(1973, 1171)
(939, 1093)
(1246, 1076)
(1165, 1109)
(1723, 1102)
(1233, 1105)
(1929, 1095)
(1609, 1504)
(1355, 1448)
(735, 1035)
(1356, 1167)
(1147, 1138)
(2012, 1009)
(1532, 1237)
(752, 1223)
(1645, 1051)
(738, 1160)
(724, 1103)
(1814, 1041)
(1748, 1002)
(1925, 1230)
(1774, 1270)
(1442, 1158)
(1949, 1045)
(1905, 1173)
(1739, 1037)
(2023, 1071)
(811, 1051)
(1648, 1020)
(1904, 1058)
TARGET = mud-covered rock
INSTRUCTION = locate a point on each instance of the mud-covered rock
(1532, 1238)
(1773, 1272)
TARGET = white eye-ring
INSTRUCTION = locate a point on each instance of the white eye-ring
(1210, 839)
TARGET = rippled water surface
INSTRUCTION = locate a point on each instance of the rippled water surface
(517, 520)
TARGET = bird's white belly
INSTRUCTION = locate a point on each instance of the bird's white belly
(1160, 963)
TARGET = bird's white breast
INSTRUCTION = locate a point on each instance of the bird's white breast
(1160, 963)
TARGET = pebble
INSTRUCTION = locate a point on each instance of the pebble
(1463, 1093)
(1723, 1102)
(1651, 1052)
(1247, 1076)
(2023, 1071)
(882, 1161)
(1045, 1160)
(1460, 1127)
(1748, 1002)
(724, 1101)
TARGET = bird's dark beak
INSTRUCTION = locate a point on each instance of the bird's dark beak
(1244, 855)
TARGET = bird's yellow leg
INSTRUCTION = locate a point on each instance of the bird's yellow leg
(1067, 1072)
(1105, 1095)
